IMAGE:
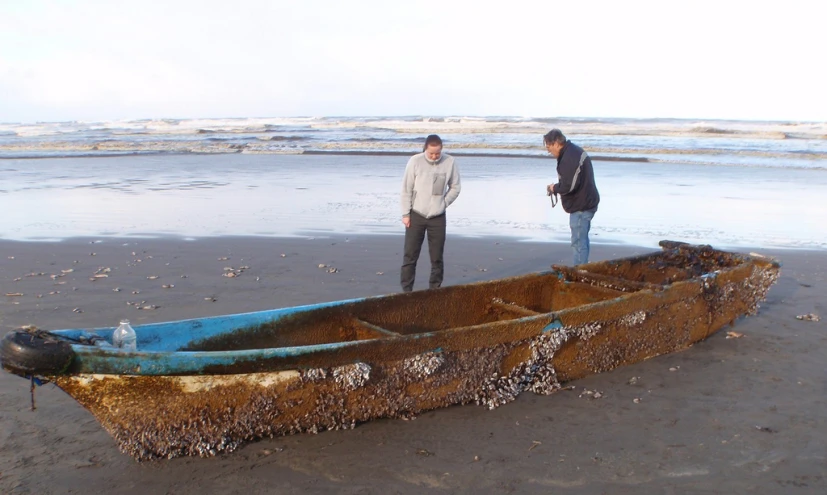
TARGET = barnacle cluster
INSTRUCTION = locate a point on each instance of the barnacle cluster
(423, 365)
(351, 376)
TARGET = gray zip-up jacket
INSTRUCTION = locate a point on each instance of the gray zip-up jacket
(429, 187)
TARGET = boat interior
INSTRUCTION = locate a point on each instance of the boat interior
(669, 266)
(423, 311)
(474, 304)
(532, 296)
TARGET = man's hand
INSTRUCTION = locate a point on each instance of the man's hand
(406, 221)
(549, 189)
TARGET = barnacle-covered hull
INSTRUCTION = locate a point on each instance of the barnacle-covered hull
(332, 366)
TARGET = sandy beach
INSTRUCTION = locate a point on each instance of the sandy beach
(726, 416)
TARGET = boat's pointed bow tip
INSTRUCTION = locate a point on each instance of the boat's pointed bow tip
(772, 260)
(667, 244)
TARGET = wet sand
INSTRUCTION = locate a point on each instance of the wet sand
(726, 416)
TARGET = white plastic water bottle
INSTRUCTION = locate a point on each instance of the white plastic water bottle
(124, 337)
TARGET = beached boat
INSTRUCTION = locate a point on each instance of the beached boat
(207, 385)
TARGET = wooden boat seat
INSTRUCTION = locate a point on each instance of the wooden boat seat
(511, 309)
(373, 331)
(607, 281)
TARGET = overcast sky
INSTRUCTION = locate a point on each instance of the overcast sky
(101, 60)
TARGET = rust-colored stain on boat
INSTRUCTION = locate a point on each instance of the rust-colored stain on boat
(512, 338)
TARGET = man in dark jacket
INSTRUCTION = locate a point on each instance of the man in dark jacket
(577, 189)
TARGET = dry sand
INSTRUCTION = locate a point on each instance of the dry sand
(726, 416)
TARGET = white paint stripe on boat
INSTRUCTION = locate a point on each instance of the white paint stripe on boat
(190, 384)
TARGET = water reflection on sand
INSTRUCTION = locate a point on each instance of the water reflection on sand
(285, 195)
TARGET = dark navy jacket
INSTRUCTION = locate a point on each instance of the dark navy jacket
(575, 180)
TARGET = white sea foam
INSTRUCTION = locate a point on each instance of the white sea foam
(735, 143)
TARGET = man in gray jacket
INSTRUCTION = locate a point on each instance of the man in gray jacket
(430, 184)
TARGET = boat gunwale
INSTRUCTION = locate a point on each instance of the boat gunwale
(94, 360)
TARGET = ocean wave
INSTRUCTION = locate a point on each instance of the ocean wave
(737, 143)
(437, 124)
(263, 144)
(418, 140)
(283, 138)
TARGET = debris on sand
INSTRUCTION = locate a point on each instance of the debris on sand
(734, 335)
(327, 268)
(231, 272)
(142, 305)
(808, 317)
(591, 394)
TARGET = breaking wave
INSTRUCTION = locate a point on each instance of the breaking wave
(742, 143)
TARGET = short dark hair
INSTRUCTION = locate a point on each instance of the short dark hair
(432, 139)
(554, 136)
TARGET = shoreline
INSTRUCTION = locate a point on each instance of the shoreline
(554, 243)
(607, 158)
(677, 160)
(287, 195)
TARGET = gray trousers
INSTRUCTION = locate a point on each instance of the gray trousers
(414, 235)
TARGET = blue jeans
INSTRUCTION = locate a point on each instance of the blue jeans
(580, 223)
